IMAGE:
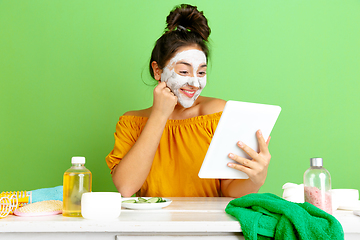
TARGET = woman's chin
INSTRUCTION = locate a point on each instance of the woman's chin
(186, 103)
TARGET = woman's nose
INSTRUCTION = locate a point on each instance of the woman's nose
(194, 82)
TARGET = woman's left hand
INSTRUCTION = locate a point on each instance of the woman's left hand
(256, 168)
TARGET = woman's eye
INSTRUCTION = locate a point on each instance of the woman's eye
(183, 72)
(202, 73)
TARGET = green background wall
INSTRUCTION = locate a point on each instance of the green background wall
(69, 69)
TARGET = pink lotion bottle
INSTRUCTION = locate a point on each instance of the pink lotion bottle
(317, 185)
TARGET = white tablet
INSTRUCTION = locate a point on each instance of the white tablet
(239, 122)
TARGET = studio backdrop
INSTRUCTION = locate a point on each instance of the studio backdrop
(70, 69)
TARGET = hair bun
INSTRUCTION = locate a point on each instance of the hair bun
(190, 18)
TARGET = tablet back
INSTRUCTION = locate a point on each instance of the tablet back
(239, 122)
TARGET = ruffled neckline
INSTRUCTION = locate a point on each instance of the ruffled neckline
(197, 119)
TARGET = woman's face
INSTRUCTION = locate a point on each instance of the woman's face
(185, 74)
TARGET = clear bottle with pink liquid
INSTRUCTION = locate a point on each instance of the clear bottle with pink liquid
(317, 185)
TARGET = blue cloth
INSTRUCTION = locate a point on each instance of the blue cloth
(45, 194)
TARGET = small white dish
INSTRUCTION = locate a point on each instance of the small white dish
(357, 212)
(350, 206)
(145, 206)
(345, 199)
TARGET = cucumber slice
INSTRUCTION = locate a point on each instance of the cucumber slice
(153, 200)
(161, 200)
(141, 200)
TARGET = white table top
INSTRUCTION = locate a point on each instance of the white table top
(182, 215)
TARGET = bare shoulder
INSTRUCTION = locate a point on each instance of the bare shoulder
(210, 105)
(139, 113)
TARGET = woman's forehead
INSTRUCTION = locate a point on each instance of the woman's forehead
(193, 57)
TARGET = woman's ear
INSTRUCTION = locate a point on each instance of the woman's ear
(157, 71)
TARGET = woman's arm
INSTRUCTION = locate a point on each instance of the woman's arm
(132, 171)
(256, 169)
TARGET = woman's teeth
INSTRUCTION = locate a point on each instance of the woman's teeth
(188, 93)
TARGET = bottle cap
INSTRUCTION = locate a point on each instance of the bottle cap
(316, 162)
(78, 160)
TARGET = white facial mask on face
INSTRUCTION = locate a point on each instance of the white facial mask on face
(175, 81)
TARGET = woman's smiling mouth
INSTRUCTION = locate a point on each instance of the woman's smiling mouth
(188, 92)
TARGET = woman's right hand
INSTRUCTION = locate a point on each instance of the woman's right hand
(131, 172)
(164, 100)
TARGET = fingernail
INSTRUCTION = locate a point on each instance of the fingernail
(231, 155)
(260, 132)
(241, 144)
(230, 164)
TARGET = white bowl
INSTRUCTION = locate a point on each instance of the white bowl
(346, 199)
(101, 205)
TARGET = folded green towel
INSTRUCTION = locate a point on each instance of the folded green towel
(267, 216)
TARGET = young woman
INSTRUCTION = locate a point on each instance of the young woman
(159, 150)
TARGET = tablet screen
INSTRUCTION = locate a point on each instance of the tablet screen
(239, 122)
